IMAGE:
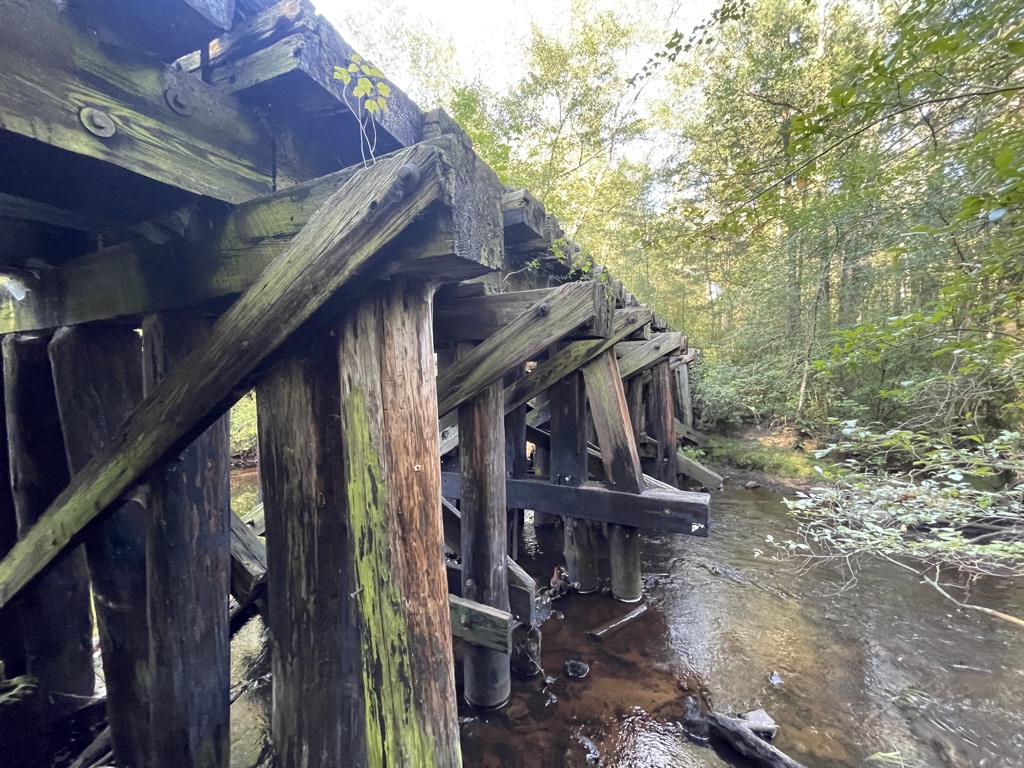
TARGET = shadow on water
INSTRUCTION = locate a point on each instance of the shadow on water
(881, 666)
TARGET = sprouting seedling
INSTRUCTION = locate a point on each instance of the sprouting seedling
(366, 84)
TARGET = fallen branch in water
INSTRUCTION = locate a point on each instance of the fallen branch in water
(935, 583)
(739, 736)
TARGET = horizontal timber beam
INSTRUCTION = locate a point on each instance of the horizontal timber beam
(656, 508)
(64, 88)
(342, 240)
(458, 241)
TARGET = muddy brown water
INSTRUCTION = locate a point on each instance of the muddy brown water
(883, 671)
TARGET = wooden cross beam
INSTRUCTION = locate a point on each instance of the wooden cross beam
(639, 356)
(569, 307)
(476, 318)
(456, 242)
(659, 509)
(342, 240)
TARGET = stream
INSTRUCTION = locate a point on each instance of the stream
(881, 671)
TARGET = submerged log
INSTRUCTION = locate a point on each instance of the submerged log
(188, 566)
(352, 227)
(601, 632)
(94, 400)
(54, 615)
(738, 735)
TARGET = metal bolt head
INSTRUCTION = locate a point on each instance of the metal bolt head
(543, 309)
(409, 177)
(97, 122)
(179, 100)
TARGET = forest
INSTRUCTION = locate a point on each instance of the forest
(825, 196)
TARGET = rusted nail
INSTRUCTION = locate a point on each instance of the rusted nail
(97, 122)
(543, 309)
(179, 100)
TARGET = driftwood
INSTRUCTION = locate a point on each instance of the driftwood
(738, 735)
(600, 633)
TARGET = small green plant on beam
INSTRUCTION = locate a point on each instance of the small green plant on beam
(367, 86)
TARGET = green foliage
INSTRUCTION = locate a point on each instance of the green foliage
(367, 84)
(243, 428)
(787, 463)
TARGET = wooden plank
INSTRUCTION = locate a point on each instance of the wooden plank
(291, 42)
(456, 243)
(648, 353)
(166, 29)
(343, 236)
(477, 318)
(661, 422)
(684, 401)
(658, 509)
(697, 471)
(568, 308)
(483, 626)
(487, 675)
(54, 616)
(317, 672)
(523, 217)
(392, 486)
(97, 372)
(56, 70)
(188, 566)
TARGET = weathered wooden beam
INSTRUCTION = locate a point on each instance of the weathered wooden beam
(68, 90)
(346, 234)
(692, 435)
(316, 645)
(292, 50)
(458, 242)
(569, 307)
(522, 589)
(568, 360)
(644, 355)
(697, 471)
(567, 462)
(248, 563)
(477, 318)
(12, 644)
(684, 400)
(54, 616)
(621, 468)
(572, 356)
(188, 567)
(659, 509)
(97, 372)
(392, 487)
(166, 29)
(523, 216)
(661, 422)
(486, 673)
(483, 626)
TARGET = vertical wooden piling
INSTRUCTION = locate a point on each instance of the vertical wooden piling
(661, 423)
(568, 466)
(487, 673)
(622, 470)
(187, 577)
(515, 465)
(54, 611)
(393, 487)
(12, 644)
(319, 715)
(98, 380)
(542, 468)
(684, 411)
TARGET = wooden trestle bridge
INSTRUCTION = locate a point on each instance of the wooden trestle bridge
(190, 209)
